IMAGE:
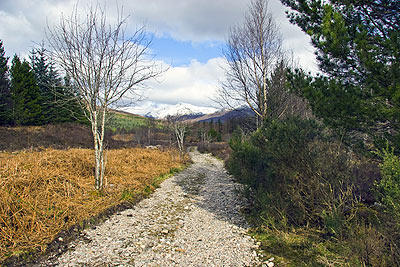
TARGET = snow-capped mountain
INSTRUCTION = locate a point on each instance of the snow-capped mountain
(180, 109)
(161, 111)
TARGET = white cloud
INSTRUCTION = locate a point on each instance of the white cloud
(195, 83)
(16, 29)
(188, 19)
(24, 21)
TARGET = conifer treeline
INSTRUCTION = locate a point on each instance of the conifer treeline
(34, 92)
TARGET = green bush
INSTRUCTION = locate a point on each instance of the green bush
(295, 176)
(248, 164)
(388, 194)
(298, 176)
(287, 141)
(388, 188)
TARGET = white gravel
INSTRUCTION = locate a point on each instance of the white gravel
(193, 219)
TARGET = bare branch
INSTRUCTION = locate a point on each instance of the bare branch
(104, 64)
(257, 65)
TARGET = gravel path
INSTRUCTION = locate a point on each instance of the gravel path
(193, 219)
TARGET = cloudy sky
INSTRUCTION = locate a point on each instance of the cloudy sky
(188, 37)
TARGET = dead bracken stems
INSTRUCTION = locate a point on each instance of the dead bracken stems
(44, 192)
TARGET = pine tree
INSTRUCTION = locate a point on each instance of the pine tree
(5, 94)
(58, 100)
(69, 102)
(25, 94)
(358, 50)
(48, 80)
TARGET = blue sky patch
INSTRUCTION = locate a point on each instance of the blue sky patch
(179, 53)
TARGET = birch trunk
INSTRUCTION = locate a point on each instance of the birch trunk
(97, 156)
(180, 130)
(98, 136)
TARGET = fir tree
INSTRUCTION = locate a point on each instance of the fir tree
(358, 50)
(25, 94)
(5, 94)
(58, 99)
(69, 102)
(47, 79)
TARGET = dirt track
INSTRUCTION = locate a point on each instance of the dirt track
(193, 219)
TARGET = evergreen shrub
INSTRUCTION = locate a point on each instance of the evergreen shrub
(294, 175)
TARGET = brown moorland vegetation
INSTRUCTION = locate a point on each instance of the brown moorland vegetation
(43, 192)
(58, 136)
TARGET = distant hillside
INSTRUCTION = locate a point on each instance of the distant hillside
(122, 120)
(224, 115)
(190, 113)
(122, 112)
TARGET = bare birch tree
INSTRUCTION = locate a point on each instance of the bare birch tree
(105, 66)
(180, 129)
(255, 56)
(280, 101)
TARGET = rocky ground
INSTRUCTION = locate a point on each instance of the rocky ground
(193, 219)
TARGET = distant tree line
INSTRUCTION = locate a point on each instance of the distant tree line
(34, 92)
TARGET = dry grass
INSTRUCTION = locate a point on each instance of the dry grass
(123, 137)
(43, 192)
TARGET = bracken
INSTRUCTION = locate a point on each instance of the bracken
(44, 192)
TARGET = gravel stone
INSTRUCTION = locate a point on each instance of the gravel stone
(193, 219)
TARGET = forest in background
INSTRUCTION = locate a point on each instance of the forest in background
(34, 92)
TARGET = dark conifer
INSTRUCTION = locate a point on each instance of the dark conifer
(47, 84)
(5, 94)
(25, 94)
(358, 50)
(58, 100)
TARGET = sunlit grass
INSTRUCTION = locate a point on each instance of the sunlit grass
(121, 121)
(301, 247)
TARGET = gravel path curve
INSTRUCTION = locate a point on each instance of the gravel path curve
(193, 219)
